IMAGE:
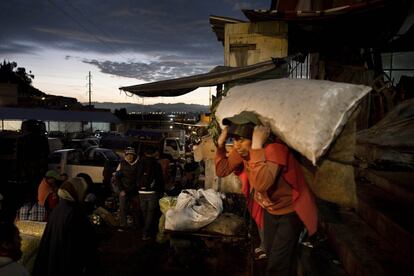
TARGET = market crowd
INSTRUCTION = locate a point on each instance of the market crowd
(277, 196)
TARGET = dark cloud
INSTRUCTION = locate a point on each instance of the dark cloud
(9, 47)
(168, 30)
(153, 71)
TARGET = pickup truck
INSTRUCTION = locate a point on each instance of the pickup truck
(90, 164)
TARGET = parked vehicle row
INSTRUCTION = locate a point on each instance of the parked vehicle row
(88, 156)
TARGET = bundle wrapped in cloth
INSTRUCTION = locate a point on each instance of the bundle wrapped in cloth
(309, 116)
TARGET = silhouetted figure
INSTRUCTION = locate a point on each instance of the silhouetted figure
(68, 245)
(150, 189)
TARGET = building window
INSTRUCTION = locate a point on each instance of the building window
(398, 64)
(299, 70)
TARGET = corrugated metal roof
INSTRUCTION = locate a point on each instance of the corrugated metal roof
(11, 113)
(366, 24)
(181, 86)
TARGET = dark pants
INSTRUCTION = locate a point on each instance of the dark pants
(149, 207)
(127, 206)
(281, 236)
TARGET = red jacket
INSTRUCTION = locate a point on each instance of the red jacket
(262, 175)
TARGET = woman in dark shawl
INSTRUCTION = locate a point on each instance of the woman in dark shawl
(68, 245)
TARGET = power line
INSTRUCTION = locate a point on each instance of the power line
(58, 76)
(86, 29)
(89, 20)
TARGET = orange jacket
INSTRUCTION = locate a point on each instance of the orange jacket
(43, 193)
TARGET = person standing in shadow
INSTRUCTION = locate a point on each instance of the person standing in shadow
(68, 245)
(150, 184)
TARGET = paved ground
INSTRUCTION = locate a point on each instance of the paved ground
(124, 253)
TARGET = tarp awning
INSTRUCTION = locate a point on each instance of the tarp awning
(181, 86)
(11, 113)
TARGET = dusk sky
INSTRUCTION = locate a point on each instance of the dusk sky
(122, 42)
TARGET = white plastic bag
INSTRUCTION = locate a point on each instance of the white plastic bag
(306, 114)
(194, 210)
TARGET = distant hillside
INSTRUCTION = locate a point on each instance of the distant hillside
(177, 107)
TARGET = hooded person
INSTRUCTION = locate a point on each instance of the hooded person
(271, 174)
(68, 245)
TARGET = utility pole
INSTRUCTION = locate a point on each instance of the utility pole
(90, 92)
(209, 96)
(90, 102)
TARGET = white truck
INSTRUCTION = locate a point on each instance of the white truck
(165, 141)
(89, 165)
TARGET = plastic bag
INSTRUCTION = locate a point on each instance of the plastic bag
(194, 209)
(166, 203)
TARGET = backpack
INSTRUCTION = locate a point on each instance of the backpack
(146, 174)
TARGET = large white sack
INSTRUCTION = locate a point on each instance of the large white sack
(306, 114)
(194, 210)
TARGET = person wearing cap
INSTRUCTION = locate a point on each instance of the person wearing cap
(126, 180)
(270, 172)
(69, 245)
(47, 191)
(243, 127)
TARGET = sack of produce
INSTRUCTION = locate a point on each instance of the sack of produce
(307, 115)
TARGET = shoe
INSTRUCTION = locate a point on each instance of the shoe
(258, 250)
(259, 254)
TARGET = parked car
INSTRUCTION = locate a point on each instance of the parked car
(75, 162)
(100, 155)
(82, 144)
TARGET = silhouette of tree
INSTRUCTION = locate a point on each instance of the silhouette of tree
(9, 72)
(26, 77)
